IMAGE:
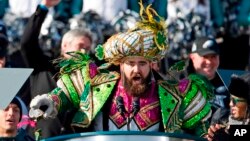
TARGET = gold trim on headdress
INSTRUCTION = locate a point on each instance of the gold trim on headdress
(148, 39)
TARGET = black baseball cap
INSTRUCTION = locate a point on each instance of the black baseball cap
(205, 45)
(3, 40)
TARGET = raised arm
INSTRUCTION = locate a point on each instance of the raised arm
(34, 56)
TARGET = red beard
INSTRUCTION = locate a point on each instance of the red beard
(137, 85)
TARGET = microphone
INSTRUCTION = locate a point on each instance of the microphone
(135, 110)
(120, 105)
(136, 106)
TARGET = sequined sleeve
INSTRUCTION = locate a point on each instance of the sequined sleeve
(195, 104)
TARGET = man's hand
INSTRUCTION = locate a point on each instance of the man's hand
(50, 3)
(39, 101)
(212, 129)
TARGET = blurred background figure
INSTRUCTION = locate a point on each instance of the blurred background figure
(187, 20)
(15, 18)
(238, 114)
(35, 57)
(42, 78)
(231, 22)
(205, 60)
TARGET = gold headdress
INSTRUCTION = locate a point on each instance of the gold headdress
(147, 39)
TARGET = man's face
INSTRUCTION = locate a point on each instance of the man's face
(9, 118)
(205, 65)
(77, 44)
(136, 72)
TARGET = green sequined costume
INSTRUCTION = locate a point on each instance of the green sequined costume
(183, 104)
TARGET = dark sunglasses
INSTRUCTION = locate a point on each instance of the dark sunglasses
(236, 100)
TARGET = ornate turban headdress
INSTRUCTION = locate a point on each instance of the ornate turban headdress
(148, 39)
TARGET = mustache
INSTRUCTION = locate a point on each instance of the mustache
(136, 75)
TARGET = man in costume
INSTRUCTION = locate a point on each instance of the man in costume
(134, 99)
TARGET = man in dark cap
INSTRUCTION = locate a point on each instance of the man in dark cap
(205, 60)
(205, 56)
(3, 45)
(9, 118)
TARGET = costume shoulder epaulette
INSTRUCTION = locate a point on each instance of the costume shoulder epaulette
(105, 77)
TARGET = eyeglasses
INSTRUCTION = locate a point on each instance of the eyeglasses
(236, 100)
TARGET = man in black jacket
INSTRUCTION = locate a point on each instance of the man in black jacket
(41, 79)
(205, 60)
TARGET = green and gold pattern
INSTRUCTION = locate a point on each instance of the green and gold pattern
(105, 77)
(77, 60)
(187, 110)
(204, 85)
(74, 97)
(147, 39)
(170, 103)
(61, 100)
(195, 103)
(94, 95)
(95, 100)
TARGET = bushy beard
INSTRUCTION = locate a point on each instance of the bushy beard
(137, 90)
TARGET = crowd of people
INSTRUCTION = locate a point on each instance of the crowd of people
(126, 82)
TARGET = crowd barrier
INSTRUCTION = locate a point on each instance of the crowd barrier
(125, 136)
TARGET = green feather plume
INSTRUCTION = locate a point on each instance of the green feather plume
(77, 60)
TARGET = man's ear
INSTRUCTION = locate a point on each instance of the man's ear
(191, 55)
(64, 45)
(155, 66)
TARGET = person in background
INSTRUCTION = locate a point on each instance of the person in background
(9, 119)
(231, 22)
(205, 60)
(131, 98)
(238, 114)
(41, 79)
